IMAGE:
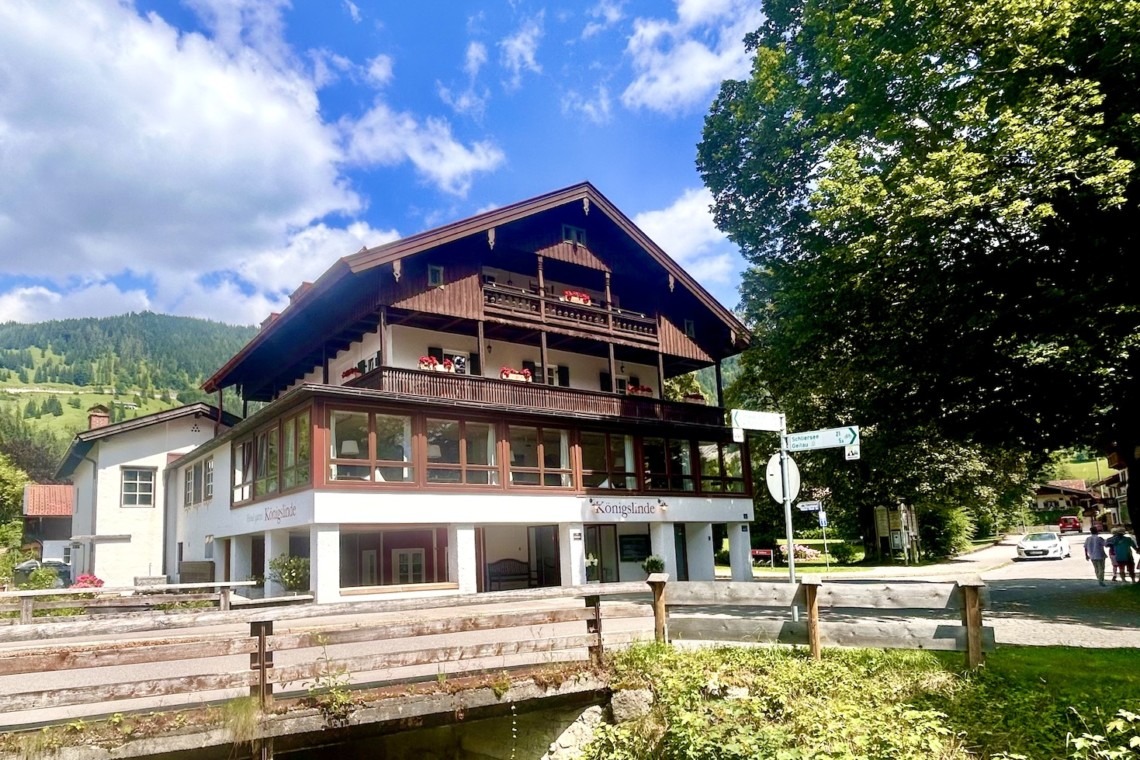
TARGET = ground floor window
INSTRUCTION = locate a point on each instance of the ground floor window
(371, 556)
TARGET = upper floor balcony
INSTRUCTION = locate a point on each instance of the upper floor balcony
(573, 312)
(529, 396)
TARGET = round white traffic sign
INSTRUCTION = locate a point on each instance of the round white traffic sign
(776, 482)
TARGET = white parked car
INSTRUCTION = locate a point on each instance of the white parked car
(1042, 546)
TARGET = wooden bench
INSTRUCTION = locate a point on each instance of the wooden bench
(762, 556)
(507, 571)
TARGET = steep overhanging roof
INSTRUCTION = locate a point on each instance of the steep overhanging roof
(85, 440)
(372, 258)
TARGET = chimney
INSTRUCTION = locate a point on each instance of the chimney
(98, 416)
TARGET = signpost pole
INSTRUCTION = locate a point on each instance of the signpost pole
(826, 558)
(787, 504)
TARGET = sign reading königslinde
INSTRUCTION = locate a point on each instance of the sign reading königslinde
(609, 510)
(616, 509)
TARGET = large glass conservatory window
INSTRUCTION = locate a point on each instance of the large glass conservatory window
(607, 461)
(370, 447)
(722, 470)
(539, 457)
(668, 464)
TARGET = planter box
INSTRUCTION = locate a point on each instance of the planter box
(517, 376)
(644, 394)
(695, 400)
(577, 300)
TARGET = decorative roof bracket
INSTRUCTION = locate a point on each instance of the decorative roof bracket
(491, 238)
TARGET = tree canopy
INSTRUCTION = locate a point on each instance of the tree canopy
(939, 199)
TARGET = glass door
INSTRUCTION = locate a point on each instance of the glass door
(680, 546)
(544, 555)
(601, 553)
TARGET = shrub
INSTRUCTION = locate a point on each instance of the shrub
(291, 572)
(653, 564)
(87, 581)
(945, 531)
(842, 552)
(722, 557)
(801, 551)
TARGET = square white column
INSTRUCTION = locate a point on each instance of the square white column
(572, 552)
(700, 551)
(740, 551)
(276, 544)
(662, 543)
(461, 565)
(241, 558)
(324, 563)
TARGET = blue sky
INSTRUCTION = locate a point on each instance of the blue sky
(204, 157)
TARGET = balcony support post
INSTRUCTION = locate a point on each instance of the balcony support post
(660, 375)
(382, 331)
(481, 347)
(719, 386)
(609, 309)
(541, 299)
(545, 357)
(613, 369)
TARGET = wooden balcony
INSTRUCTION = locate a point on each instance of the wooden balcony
(523, 396)
(511, 302)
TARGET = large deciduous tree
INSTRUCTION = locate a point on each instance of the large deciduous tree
(940, 201)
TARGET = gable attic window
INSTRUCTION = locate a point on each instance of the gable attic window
(575, 235)
(435, 276)
(690, 328)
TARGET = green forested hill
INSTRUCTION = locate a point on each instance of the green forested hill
(144, 351)
(135, 364)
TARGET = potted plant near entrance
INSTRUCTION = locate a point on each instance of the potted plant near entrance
(653, 564)
(591, 568)
(291, 572)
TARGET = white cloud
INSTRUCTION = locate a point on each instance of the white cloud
(38, 303)
(196, 168)
(596, 109)
(475, 58)
(685, 230)
(607, 13)
(125, 142)
(680, 64)
(520, 49)
(472, 99)
(380, 70)
(384, 137)
(353, 11)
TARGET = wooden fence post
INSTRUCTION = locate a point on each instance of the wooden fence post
(261, 661)
(810, 586)
(594, 626)
(224, 599)
(657, 583)
(27, 606)
(972, 619)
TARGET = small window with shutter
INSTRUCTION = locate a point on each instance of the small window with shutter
(435, 276)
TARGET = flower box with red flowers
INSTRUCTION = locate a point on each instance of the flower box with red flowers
(350, 372)
(428, 362)
(510, 373)
(695, 398)
(576, 296)
(639, 390)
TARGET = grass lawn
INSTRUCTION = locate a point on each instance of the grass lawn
(1025, 702)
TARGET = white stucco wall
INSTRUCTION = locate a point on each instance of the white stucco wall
(140, 553)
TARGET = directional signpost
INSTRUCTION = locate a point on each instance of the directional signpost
(847, 437)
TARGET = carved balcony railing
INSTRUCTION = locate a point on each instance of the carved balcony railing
(510, 394)
(513, 302)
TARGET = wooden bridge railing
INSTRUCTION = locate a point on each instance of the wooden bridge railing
(84, 601)
(674, 621)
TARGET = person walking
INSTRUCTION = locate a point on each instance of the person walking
(1122, 547)
(1110, 542)
(1094, 552)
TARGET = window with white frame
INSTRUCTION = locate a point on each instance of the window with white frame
(198, 482)
(138, 486)
(408, 565)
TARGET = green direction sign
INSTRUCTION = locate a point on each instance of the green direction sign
(823, 439)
